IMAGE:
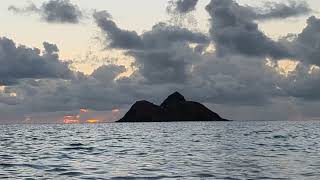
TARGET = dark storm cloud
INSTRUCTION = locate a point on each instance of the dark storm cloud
(20, 62)
(166, 56)
(7, 99)
(233, 80)
(98, 91)
(233, 30)
(303, 83)
(306, 45)
(182, 6)
(273, 10)
(270, 10)
(240, 81)
(161, 35)
(61, 11)
(165, 61)
(54, 11)
(167, 65)
(162, 54)
(119, 38)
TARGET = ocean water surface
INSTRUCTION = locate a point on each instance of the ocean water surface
(184, 150)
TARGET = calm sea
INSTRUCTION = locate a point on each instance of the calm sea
(196, 150)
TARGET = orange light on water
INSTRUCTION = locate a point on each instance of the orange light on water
(71, 121)
(92, 121)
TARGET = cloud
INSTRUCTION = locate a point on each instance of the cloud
(165, 60)
(21, 62)
(303, 83)
(182, 6)
(50, 48)
(168, 65)
(273, 10)
(28, 9)
(233, 80)
(236, 73)
(306, 45)
(167, 56)
(212, 80)
(6, 98)
(53, 11)
(162, 54)
(234, 30)
(108, 73)
(98, 91)
(119, 38)
(239, 77)
(161, 34)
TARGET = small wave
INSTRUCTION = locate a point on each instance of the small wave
(79, 148)
(76, 144)
(57, 170)
(5, 156)
(5, 165)
(280, 137)
(72, 174)
(145, 177)
(33, 166)
(204, 175)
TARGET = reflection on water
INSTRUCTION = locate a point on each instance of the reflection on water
(210, 150)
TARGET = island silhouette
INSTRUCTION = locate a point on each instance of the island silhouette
(174, 108)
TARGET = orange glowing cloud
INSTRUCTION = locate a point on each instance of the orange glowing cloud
(84, 110)
(116, 110)
(71, 119)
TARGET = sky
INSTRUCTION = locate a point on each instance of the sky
(246, 60)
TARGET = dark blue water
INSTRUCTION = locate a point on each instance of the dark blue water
(199, 150)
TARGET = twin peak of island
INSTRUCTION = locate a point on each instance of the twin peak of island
(174, 108)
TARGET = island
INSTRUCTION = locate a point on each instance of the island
(174, 108)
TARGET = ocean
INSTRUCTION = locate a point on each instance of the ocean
(182, 150)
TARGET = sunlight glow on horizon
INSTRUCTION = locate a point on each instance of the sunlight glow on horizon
(88, 116)
(92, 121)
(71, 119)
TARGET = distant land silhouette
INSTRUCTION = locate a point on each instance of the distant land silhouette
(174, 108)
